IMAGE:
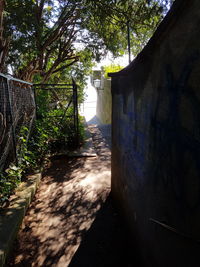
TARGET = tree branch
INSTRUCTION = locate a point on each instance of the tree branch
(65, 66)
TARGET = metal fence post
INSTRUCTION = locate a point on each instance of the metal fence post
(75, 104)
(12, 121)
(35, 99)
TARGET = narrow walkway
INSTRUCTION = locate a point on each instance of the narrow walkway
(72, 221)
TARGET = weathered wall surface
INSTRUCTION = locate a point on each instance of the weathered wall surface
(156, 141)
(104, 101)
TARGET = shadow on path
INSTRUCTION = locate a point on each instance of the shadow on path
(72, 221)
(106, 244)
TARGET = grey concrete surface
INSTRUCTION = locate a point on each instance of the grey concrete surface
(70, 194)
(11, 217)
(156, 141)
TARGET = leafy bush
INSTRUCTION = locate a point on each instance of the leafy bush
(53, 131)
(11, 177)
(111, 68)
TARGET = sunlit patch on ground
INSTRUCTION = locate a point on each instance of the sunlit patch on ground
(72, 221)
(88, 108)
(71, 192)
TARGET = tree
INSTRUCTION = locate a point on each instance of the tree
(42, 37)
(4, 43)
(45, 33)
(111, 20)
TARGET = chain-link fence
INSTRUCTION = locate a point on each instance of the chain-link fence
(17, 109)
(59, 103)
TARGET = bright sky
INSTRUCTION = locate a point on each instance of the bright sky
(88, 108)
(122, 61)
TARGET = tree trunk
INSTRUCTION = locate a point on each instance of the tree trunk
(4, 44)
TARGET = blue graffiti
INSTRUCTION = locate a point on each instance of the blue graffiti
(169, 140)
(132, 144)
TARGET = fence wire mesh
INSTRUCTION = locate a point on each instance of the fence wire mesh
(59, 101)
(17, 109)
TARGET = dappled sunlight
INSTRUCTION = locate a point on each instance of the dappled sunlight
(71, 192)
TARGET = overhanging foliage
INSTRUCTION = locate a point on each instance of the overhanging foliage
(50, 36)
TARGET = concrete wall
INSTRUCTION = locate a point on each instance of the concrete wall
(104, 98)
(156, 141)
(104, 101)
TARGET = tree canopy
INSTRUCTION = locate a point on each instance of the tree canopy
(4, 43)
(47, 37)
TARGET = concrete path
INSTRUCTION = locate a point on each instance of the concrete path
(72, 221)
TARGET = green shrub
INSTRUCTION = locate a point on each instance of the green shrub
(51, 132)
(111, 68)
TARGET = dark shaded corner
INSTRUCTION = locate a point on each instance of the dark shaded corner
(107, 243)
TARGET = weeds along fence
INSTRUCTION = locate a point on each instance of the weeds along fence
(58, 103)
(17, 109)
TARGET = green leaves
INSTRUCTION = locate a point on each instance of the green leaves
(8, 182)
(108, 19)
(45, 33)
(111, 68)
(54, 130)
